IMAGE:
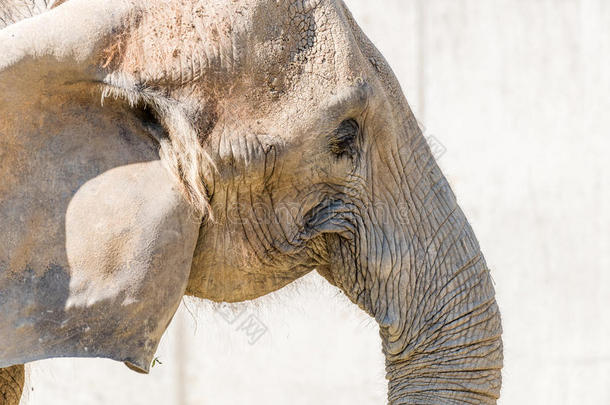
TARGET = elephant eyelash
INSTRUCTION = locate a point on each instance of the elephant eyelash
(147, 104)
(343, 140)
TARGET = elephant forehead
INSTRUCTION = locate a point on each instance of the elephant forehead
(178, 42)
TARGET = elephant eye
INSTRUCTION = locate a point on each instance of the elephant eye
(343, 140)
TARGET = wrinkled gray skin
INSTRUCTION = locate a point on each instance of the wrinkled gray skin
(240, 145)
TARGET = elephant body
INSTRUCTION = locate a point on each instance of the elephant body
(237, 147)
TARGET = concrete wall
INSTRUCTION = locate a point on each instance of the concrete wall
(518, 91)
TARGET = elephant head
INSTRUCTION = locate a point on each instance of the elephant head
(238, 146)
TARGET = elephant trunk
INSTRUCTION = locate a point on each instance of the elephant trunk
(445, 346)
(410, 259)
(435, 301)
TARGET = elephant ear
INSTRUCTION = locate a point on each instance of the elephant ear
(96, 239)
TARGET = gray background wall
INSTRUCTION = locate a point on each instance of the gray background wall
(518, 91)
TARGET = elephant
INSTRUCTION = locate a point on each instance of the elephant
(223, 149)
